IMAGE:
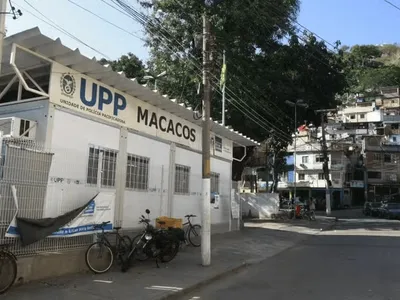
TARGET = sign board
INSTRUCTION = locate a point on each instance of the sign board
(101, 209)
(235, 207)
(81, 93)
(215, 200)
(357, 184)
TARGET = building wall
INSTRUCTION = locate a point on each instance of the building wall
(309, 161)
(382, 167)
(374, 116)
(34, 110)
(70, 140)
(71, 147)
(155, 198)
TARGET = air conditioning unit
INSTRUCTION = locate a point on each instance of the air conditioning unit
(18, 128)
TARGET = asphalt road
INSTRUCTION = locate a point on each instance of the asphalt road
(346, 263)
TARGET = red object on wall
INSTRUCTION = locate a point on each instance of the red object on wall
(298, 208)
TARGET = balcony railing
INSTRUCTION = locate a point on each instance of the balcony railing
(391, 118)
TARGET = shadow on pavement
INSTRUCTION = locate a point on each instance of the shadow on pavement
(256, 243)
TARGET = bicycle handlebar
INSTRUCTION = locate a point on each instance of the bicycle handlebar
(190, 216)
(101, 226)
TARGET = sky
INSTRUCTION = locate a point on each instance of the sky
(350, 21)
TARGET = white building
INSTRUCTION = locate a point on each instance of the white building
(309, 175)
(363, 112)
(109, 133)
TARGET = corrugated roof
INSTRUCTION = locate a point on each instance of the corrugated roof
(34, 40)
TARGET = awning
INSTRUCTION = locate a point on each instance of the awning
(34, 40)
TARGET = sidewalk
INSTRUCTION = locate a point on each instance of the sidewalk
(231, 252)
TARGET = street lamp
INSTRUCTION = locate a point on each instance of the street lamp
(151, 77)
(295, 104)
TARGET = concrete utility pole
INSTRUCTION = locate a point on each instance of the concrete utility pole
(325, 165)
(295, 104)
(3, 14)
(206, 217)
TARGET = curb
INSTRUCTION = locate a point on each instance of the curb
(185, 291)
(228, 272)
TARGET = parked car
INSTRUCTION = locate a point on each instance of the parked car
(391, 211)
(375, 209)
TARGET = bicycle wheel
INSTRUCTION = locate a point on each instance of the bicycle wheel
(127, 260)
(140, 255)
(170, 251)
(8, 271)
(106, 254)
(125, 244)
(195, 235)
(123, 247)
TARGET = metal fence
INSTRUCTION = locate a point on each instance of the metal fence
(49, 184)
(26, 166)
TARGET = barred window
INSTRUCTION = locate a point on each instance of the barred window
(377, 157)
(182, 176)
(137, 172)
(93, 166)
(214, 182)
(105, 159)
(218, 144)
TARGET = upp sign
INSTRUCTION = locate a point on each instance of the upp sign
(102, 96)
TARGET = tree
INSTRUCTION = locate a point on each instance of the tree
(369, 67)
(276, 159)
(130, 64)
(263, 71)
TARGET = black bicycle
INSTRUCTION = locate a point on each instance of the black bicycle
(105, 251)
(192, 232)
(8, 269)
(160, 244)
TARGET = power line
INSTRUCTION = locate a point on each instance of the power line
(142, 19)
(105, 20)
(392, 4)
(59, 28)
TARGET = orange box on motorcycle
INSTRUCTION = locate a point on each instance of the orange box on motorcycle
(169, 222)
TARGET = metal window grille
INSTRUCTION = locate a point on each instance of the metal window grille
(214, 183)
(104, 160)
(377, 157)
(182, 177)
(137, 172)
(93, 166)
(218, 144)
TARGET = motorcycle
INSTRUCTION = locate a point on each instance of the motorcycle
(162, 245)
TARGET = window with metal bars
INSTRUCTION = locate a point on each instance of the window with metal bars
(182, 177)
(106, 161)
(214, 182)
(137, 172)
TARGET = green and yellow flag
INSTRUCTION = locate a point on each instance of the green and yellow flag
(223, 76)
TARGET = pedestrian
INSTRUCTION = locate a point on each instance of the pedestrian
(312, 204)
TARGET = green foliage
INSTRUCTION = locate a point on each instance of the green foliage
(267, 63)
(130, 64)
(263, 71)
(369, 67)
